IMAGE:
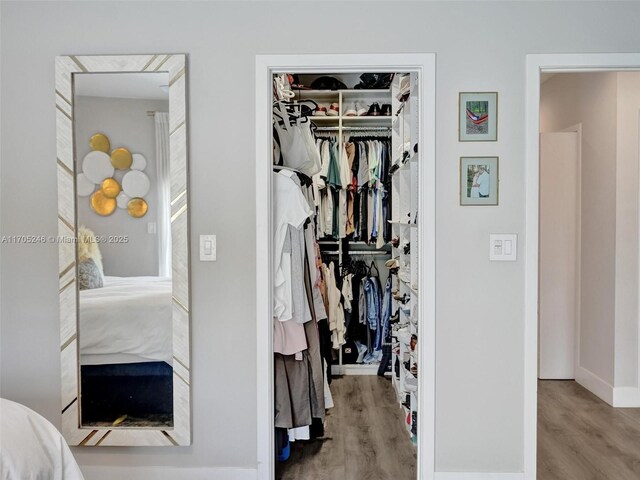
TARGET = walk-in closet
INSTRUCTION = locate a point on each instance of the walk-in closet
(346, 326)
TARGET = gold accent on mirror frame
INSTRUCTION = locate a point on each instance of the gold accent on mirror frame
(110, 187)
(137, 207)
(121, 158)
(102, 204)
(100, 142)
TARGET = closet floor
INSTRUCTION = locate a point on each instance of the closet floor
(580, 437)
(365, 437)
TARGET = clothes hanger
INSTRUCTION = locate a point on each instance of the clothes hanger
(294, 111)
(362, 268)
(374, 267)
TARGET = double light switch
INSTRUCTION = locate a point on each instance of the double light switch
(503, 247)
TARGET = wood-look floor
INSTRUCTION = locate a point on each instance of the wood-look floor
(365, 437)
(580, 437)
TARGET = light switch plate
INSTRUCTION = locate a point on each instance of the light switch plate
(503, 247)
(207, 248)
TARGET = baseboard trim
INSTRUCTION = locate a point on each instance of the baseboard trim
(92, 472)
(478, 476)
(626, 397)
(595, 384)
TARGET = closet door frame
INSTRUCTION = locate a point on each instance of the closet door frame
(266, 66)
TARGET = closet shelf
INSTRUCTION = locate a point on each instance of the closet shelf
(379, 121)
(328, 241)
(324, 118)
(316, 93)
(405, 224)
(353, 120)
(366, 91)
(347, 91)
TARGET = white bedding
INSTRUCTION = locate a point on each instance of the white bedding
(128, 315)
(31, 448)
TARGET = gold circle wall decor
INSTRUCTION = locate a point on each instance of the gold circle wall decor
(121, 158)
(100, 142)
(101, 204)
(110, 187)
(137, 207)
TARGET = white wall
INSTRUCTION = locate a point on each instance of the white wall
(590, 99)
(479, 304)
(628, 108)
(125, 122)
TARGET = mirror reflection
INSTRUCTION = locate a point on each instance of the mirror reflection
(121, 136)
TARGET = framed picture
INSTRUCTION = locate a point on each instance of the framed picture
(479, 180)
(478, 117)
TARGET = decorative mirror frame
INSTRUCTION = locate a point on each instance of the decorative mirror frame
(74, 433)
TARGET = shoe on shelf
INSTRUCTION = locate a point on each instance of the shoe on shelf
(320, 111)
(403, 148)
(334, 110)
(410, 383)
(385, 110)
(350, 110)
(393, 263)
(374, 110)
(360, 109)
(405, 88)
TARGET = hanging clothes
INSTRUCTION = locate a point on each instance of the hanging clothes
(336, 311)
(352, 190)
(299, 308)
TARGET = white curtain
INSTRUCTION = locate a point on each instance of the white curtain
(163, 170)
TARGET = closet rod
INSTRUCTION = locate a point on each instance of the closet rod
(354, 129)
(358, 252)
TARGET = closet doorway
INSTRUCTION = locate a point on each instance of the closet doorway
(385, 249)
(581, 317)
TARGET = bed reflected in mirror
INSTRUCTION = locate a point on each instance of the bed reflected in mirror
(122, 174)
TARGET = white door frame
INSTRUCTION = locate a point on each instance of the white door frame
(537, 64)
(266, 66)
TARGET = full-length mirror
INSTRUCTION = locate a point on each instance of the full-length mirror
(124, 277)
